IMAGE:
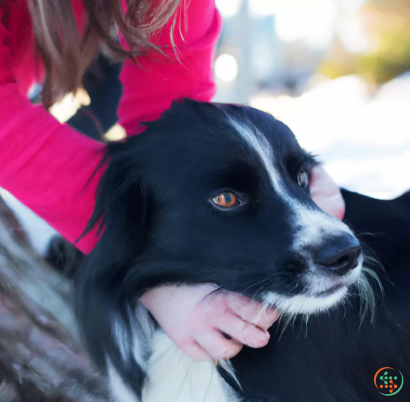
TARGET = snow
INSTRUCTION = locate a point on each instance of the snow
(362, 139)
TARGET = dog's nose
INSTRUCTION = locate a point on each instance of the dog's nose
(339, 255)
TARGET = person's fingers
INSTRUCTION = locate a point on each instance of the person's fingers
(242, 331)
(252, 311)
(326, 193)
(194, 351)
(218, 346)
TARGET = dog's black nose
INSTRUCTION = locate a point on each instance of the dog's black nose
(339, 254)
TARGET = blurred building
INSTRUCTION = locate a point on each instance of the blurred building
(271, 45)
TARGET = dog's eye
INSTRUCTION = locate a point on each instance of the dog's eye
(303, 177)
(226, 200)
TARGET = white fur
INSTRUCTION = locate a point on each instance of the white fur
(258, 142)
(142, 330)
(303, 304)
(317, 282)
(138, 351)
(142, 333)
(121, 338)
(313, 226)
(173, 377)
(308, 303)
(119, 390)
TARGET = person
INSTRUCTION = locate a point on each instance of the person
(167, 48)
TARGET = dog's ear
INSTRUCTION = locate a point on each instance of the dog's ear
(112, 326)
(121, 210)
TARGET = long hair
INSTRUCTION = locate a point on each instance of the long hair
(65, 52)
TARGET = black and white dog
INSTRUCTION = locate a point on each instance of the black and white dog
(219, 194)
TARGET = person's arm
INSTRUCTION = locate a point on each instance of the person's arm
(44, 164)
(150, 85)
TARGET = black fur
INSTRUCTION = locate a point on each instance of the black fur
(336, 357)
(159, 227)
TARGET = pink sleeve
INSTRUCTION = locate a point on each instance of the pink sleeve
(47, 165)
(156, 80)
(44, 164)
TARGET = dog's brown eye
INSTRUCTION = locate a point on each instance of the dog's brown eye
(226, 199)
(303, 177)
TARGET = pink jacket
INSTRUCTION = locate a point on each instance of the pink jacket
(47, 165)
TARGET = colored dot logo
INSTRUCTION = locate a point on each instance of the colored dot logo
(388, 381)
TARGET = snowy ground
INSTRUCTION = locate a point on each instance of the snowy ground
(363, 140)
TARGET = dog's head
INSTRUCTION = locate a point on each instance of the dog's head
(214, 193)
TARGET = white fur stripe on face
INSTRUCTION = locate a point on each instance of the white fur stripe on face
(258, 142)
(310, 225)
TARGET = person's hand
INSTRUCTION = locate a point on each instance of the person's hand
(197, 320)
(326, 193)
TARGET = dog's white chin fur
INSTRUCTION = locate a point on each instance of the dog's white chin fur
(311, 303)
(303, 304)
(174, 377)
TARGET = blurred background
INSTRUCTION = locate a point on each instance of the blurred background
(336, 71)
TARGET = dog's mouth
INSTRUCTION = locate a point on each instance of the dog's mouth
(322, 293)
(324, 285)
(330, 291)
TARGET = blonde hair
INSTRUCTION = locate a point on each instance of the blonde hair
(65, 52)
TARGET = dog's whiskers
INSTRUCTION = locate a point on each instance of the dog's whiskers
(306, 316)
(254, 284)
(367, 294)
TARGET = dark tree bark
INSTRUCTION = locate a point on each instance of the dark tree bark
(41, 358)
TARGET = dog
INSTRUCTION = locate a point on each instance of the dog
(218, 193)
